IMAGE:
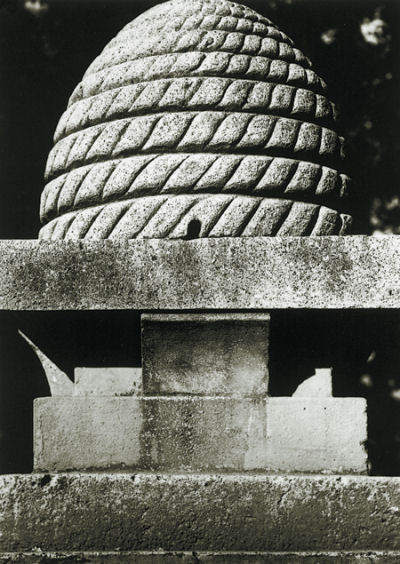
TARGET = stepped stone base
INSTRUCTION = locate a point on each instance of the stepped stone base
(199, 513)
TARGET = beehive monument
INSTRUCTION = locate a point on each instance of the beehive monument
(198, 177)
(196, 111)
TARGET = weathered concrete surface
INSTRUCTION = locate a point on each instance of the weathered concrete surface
(162, 557)
(198, 512)
(228, 273)
(205, 354)
(200, 434)
(317, 434)
(107, 381)
(86, 432)
(162, 433)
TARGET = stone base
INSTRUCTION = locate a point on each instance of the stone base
(192, 434)
(199, 513)
(162, 557)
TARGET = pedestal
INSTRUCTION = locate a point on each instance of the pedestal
(202, 406)
(190, 468)
(200, 518)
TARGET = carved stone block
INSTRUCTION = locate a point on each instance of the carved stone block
(192, 434)
(205, 354)
(317, 435)
(200, 112)
(159, 434)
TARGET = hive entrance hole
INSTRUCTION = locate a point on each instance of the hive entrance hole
(193, 229)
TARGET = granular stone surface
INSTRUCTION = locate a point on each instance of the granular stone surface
(199, 512)
(214, 274)
(200, 434)
(205, 354)
(199, 119)
(195, 557)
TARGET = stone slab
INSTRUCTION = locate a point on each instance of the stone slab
(213, 274)
(200, 434)
(107, 381)
(317, 435)
(205, 354)
(198, 512)
(167, 433)
(172, 557)
(86, 433)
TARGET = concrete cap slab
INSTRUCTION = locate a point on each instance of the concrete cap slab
(209, 274)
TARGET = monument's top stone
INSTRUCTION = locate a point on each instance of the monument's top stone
(199, 119)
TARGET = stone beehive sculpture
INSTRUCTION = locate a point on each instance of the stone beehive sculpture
(198, 113)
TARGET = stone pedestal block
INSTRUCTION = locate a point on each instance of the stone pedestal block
(73, 433)
(205, 354)
(152, 433)
(317, 435)
(200, 434)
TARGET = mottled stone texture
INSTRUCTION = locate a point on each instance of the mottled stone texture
(199, 513)
(205, 354)
(207, 274)
(197, 434)
(199, 119)
(108, 381)
(175, 434)
(195, 557)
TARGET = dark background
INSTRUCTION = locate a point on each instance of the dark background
(354, 45)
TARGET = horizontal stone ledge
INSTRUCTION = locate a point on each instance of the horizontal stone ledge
(163, 557)
(198, 512)
(207, 274)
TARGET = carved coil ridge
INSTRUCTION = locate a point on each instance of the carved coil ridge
(194, 93)
(200, 21)
(197, 40)
(198, 109)
(219, 215)
(198, 131)
(218, 64)
(187, 8)
(189, 173)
